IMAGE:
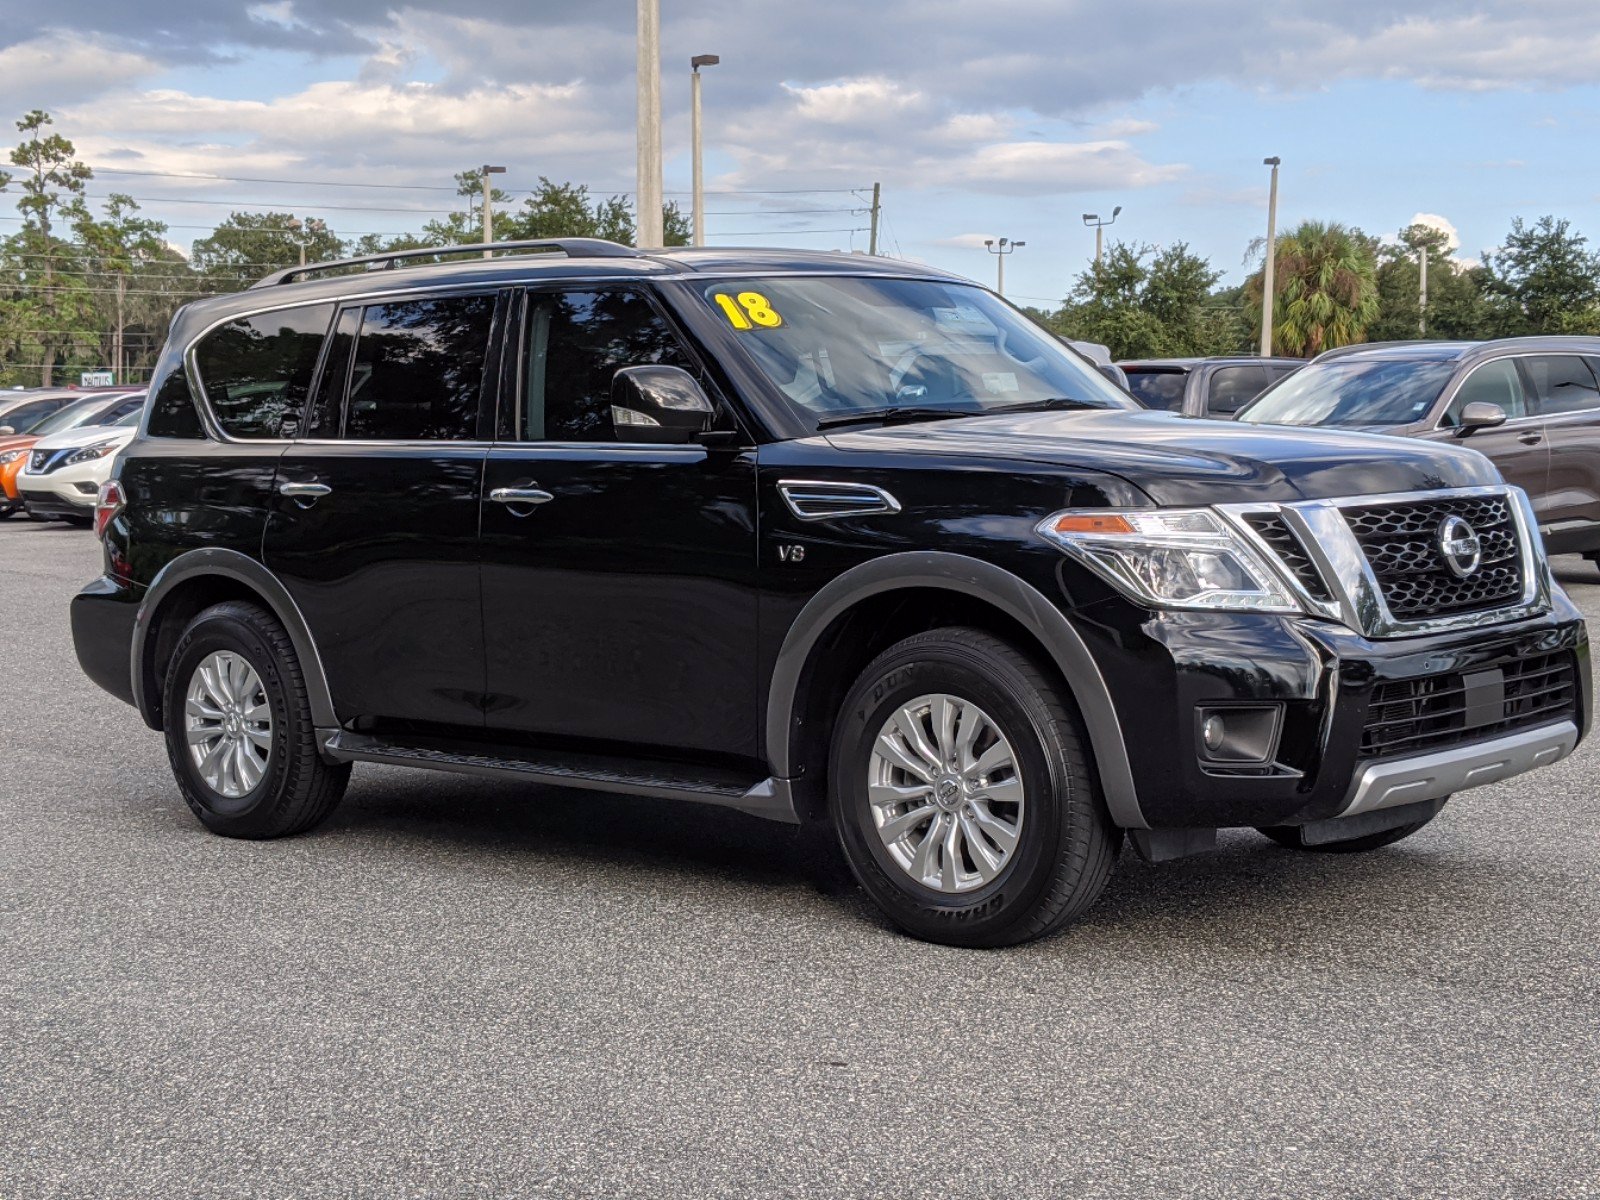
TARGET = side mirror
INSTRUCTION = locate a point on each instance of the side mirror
(1480, 414)
(659, 405)
(6, 429)
(1114, 373)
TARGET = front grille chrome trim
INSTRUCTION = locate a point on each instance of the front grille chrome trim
(1358, 599)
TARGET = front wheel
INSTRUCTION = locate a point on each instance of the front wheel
(239, 731)
(963, 795)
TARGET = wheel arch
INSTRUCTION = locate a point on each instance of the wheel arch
(193, 582)
(841, 627)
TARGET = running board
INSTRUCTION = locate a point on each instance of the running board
(769, 798)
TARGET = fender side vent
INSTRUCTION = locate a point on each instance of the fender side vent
(815, 500)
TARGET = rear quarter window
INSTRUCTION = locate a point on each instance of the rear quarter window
(172, 410)
(256, 371)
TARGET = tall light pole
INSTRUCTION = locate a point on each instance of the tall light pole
(649, 223)
(1422, 291)
(1000, 250)
(1269, 274)
(1093, 219)
(488, 208)
(695, 63)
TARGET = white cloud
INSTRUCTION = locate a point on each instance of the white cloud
(47, 70)
(855, 101)
(1443, 225)
(966, 241)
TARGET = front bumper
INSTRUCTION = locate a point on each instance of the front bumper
(1325, 679)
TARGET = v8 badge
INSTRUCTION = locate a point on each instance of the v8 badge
(791, 553)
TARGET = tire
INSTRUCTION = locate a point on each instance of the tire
(1289, 836)
(293, 789)
(1064, 844)
(7, 513)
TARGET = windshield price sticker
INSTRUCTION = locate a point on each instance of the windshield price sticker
(749, 310)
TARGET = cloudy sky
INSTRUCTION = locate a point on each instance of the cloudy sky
(1002, 118)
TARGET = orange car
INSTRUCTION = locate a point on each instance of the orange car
(100, 409)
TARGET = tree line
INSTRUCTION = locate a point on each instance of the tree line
(1333, 286)
(82, 289)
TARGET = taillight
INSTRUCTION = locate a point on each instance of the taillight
(107, 505)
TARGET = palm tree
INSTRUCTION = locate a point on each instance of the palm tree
(1325, 289)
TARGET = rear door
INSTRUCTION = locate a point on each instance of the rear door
(1567, 397)
(375, 523)
(1518, 447)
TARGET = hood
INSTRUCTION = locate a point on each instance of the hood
(1179, 460)
(86, 435)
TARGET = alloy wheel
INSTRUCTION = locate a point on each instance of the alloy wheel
(228, 724)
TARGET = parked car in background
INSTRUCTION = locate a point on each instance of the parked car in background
(1100, 356)
(20, 411)
(63, 472)
(1204, 387)
(1531, 404)
(91, 410)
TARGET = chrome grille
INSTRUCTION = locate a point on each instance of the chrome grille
(1275, 532)
(1400, 542)
(37, 459)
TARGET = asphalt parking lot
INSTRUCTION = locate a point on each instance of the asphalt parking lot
(462, 989)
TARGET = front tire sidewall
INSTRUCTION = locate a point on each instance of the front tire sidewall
(978, 916)
(250, 815)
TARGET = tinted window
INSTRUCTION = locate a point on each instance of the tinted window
(117, 411)
(172, 411)
(1495, 382)
(84, 412)
(257, 370)
(417, 373)
(576, 341)
(25, 416)
(1158, 389)
(1562, 383)
(327, 413)
(1353, 392)
(1234, 387)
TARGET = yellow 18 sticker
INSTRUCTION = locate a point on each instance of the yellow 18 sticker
(751, 309)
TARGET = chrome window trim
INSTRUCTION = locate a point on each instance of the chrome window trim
(1448, 396)
(1332, 546)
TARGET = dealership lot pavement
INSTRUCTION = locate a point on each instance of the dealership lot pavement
(466, 989)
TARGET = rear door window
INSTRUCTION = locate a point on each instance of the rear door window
(1562, 383)
(256, 371)
(1157, 389)
(1232, 388)
(417, 373)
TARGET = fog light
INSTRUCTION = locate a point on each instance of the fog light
(1244, 735)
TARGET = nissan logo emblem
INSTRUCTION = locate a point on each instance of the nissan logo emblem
(1460, 547)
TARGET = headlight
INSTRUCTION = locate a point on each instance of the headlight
(90, 453)
(11, 456)
(1171, 558)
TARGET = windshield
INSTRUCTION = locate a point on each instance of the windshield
(841, 345)
(70, 417)
(1157, 389)
(1353, 392)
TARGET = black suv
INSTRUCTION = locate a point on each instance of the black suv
(814, 537)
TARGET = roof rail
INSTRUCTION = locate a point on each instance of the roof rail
(571, 247)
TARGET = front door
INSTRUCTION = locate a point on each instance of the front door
(375, 525)
(618, 580)
(1518, 447)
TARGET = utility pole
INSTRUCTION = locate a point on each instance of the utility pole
(1269, 271)
(648, 195)
(1422, 296)
(695, 63)
(1000, 250)
(877, 208)
(1094, 220)
(488, 208)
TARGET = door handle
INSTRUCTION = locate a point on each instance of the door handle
(1530, 438)
(305, 490)
(520, 495)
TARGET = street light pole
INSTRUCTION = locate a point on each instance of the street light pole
(649, 220)
(1093, 219)
(488, 210)
(1422, 295)
(1000, 250)
(1270, 269)
(695, 63)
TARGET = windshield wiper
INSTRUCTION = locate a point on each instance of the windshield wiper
(894, 413)
(1053, 404)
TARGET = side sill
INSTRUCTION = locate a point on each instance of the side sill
(770, 799)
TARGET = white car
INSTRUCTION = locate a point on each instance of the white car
(64, 471)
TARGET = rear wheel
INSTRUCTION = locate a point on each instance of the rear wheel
(239, 731)
(963, 795)
(1291, 836)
